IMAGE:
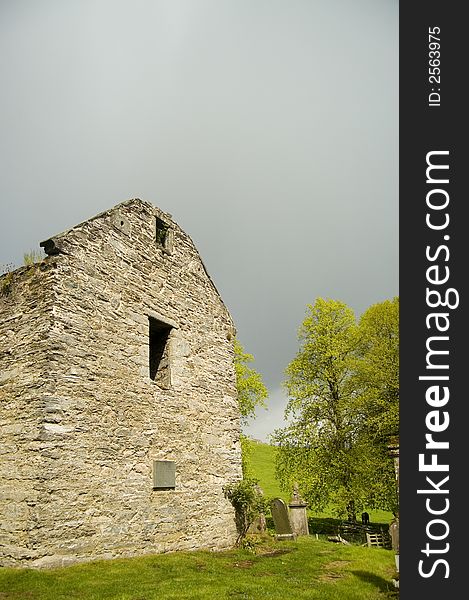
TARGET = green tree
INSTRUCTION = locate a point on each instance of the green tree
(251, 393)
(251, 389)
(377, 378)
(326, 447)
(377, 368)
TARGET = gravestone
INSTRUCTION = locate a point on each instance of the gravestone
(283, 528)
(298, 516)
(394, 533)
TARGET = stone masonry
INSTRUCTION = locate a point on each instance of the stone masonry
(119, 419)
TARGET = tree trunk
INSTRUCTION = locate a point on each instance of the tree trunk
(351, 511)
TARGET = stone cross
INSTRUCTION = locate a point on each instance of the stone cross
(283, 528)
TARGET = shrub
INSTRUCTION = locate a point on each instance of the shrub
(248, 502)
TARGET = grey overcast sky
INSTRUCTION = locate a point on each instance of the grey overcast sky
(267, 128)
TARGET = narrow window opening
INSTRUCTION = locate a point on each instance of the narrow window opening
(161, 232)
(158, 351)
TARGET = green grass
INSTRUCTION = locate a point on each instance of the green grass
(262, 463)
(305, 569)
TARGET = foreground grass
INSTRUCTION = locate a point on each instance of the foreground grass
(305, 569)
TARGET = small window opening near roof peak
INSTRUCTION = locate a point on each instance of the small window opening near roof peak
(162, 229)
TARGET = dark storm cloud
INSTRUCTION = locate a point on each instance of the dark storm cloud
(269, 130)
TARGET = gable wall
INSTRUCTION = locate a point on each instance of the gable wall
(108, 421)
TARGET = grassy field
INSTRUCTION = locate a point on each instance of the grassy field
(263, 468)
(262, 462)
(305, 569)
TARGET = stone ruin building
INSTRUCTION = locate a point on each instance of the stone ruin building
(119, 417)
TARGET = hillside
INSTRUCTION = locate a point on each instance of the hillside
(263, 469)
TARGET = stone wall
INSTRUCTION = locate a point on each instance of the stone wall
(25, 320)
(102, 420)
